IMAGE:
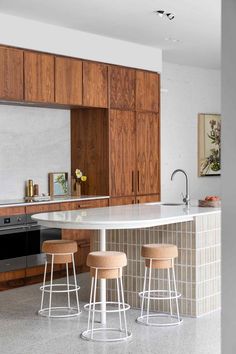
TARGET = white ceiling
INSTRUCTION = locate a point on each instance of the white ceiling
(197, 23)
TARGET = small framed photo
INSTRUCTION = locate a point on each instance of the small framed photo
(58, 184)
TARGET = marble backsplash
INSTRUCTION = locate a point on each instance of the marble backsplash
(34, 142)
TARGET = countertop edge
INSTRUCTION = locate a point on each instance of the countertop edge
(54, 201)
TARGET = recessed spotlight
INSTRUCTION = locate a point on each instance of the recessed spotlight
(163, 13)
(173, 40)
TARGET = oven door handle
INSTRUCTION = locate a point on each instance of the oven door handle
(13, 230)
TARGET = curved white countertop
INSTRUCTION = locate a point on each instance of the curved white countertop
(121, 217)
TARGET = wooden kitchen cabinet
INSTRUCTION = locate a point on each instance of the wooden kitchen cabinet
(95, 84)
(148, 198)
(11, 74)
(95, 203)
(147, 91)
(122, 153)
(134, 153)
(42, 208)
(7, 211)
(89, 148)
(122, 88)
(147, 140)
(39, 77)
(121, 201)
(68, 81)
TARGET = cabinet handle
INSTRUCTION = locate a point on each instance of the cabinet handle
(84, 206)
(138, 179)
(132, 181)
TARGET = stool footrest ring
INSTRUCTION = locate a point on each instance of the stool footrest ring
(159, 295)
(72, 311)
(72, 288)
(103, 331)
(170, 320)
(108, 303)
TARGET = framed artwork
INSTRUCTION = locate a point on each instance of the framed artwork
(58, 184)
(209, 144)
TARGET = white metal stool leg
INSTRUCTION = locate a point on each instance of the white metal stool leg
(90, 303)
(50, 294)
(44, 280)
(149, 289)
(169, 286)
(118, 298)
(176, 298)
(144, 289)
(68, 285)
(123, 303)
(76, 285)
(94, 301)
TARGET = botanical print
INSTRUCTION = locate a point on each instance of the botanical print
(58, 183)
(209, 144)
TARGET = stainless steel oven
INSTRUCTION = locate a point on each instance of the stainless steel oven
(21, 239)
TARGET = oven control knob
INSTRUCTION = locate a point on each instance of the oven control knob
(19, 219)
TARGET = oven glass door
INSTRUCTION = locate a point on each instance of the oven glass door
(36, 236)
(13, 248)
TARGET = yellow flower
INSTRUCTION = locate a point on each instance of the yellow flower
(83, 178)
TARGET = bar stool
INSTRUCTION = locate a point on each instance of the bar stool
(159, 256)
(59, 252)
(107, 265)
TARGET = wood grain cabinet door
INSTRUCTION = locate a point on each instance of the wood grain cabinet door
(122, 88)
(147, 91)
(11, 74)
(148, 198)
(122, 153)
(147, 137)
(68, 81)
(121, 201)
(95, 85)
(39, 77)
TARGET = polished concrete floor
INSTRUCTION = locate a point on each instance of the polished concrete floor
(22, 331)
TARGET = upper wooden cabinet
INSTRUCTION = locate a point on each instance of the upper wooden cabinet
(89, 148)
(68, 81)
(148, 151)
(39, 77)
(122, 88)
(147, 91)
(11, 74)
(95, 84)
(122, 153)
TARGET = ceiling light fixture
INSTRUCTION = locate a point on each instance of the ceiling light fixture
(174, 40)
(166, 14)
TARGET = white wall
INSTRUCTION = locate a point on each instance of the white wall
(187, 91)
(33, 142)
(30, 34)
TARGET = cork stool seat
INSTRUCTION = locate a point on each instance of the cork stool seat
(159, 256)
(106, 265)
(59, 252)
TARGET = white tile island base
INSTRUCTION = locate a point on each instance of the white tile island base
(197, 266)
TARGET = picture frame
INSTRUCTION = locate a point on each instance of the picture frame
(58, 184)
(209, 144)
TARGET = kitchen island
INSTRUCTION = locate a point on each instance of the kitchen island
(195, 231)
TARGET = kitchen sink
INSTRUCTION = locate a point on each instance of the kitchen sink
(171, 204)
